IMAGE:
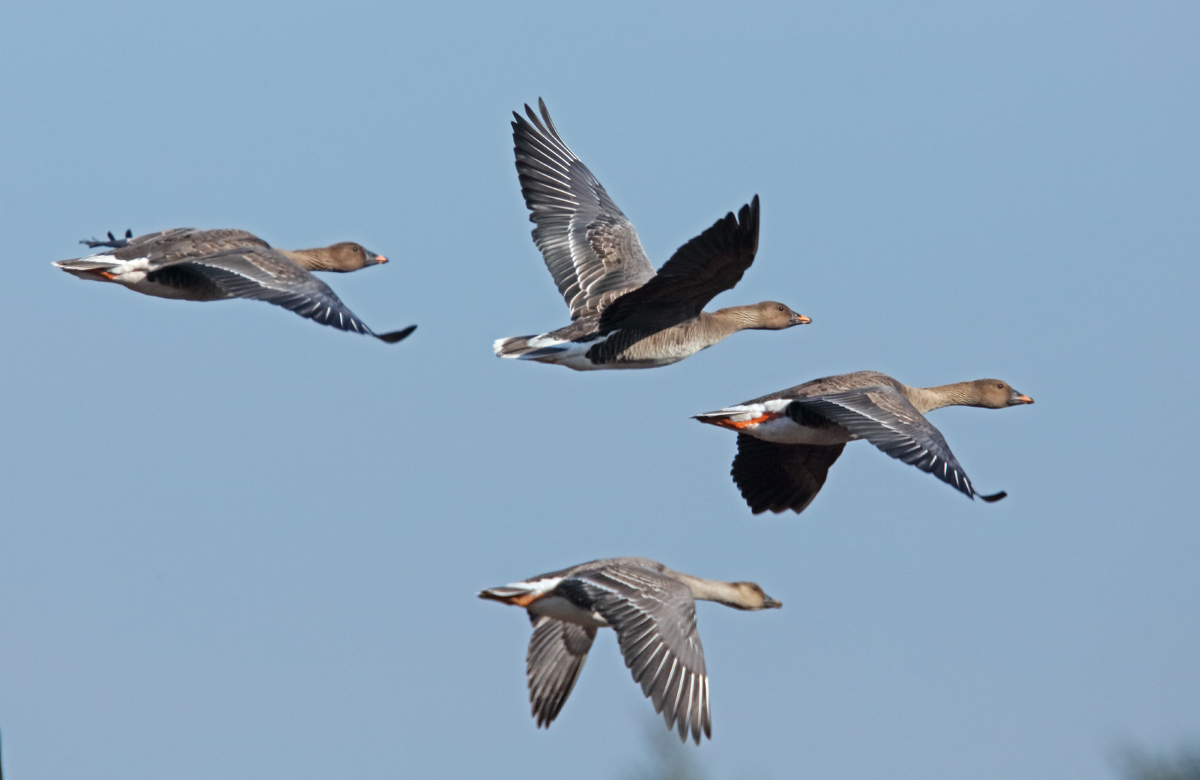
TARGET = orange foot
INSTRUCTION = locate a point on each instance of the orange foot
(734, 425)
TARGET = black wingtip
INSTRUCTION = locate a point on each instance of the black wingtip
(531, 122)
(129, 233)
(395, 336)
(993, 497)
(546, 117)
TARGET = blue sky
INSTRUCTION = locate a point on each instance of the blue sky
(236, 544)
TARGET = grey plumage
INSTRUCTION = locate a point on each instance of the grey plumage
(655, 620)
(623, 314)
(775, 475)
(210, 265)
(556, 654)
(652, 610)
(589, 246)
(884, 417)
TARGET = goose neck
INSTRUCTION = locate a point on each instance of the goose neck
(926, 399)
(309, 259)
(726, 322)
(713, 590)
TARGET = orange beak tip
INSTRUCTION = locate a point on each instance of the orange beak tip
(1025, 399)
(382, 259)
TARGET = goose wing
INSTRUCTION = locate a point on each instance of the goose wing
(556, 654)
(655, 619)
(169, 246)
(591, 249)
(261, 273)
(710, 263)
(887, 419)
(774, 477)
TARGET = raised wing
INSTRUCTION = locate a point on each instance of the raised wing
(556, 654)
(710, 263)
(591, 249)
(884, 417)
(774, 477)
(263, 274)
(655, 620)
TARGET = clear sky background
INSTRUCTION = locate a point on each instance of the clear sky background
(236, 544)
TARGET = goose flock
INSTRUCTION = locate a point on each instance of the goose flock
(624, 315)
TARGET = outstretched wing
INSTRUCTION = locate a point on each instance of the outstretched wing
(591, 249)
(710, 263)
(774, 477)
(556, 654)
(263, 274)
(887, 419)
(655, 620)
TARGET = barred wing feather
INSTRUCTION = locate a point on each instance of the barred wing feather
(704, 267)
(265, 275)
(655, 620)
(556, 654)
(887, 419)
(590, 248)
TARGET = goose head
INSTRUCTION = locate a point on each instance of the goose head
(772, 315)
(996, 394)
(750, 596)
(346, 256)
(350, 256)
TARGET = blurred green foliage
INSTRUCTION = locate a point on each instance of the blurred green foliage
(668, 758)
(1182, 765)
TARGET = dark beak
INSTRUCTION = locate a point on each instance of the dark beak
(800, 319)
(770, 603)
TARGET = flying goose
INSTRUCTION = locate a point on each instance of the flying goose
(653, 611)
(623, 315)
(211, 265)
(788, 440)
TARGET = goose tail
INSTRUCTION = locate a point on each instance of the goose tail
(508, 594)
(89, 267)
(721, 416)
(513, 347)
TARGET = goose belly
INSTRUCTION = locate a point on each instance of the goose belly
(782, 429)
(767, 421)
(561, 609)
(146, 287)
(134, 274)
(634, 349)
(591, 355)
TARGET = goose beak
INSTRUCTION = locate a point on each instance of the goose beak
(800, 319)
(770, 603)
(379, 259)
(1022, 399)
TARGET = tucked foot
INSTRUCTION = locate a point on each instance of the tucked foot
(115, 243)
